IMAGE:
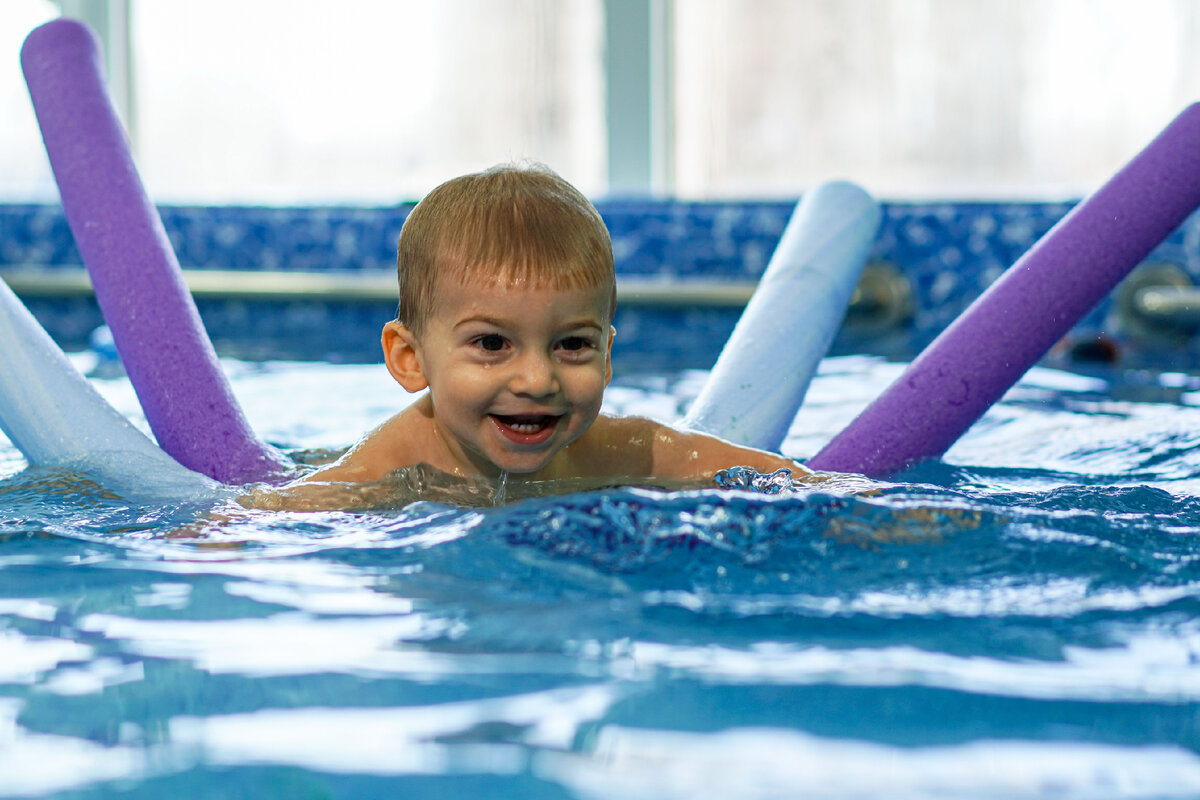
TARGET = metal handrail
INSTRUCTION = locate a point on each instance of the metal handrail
(348, 286)
(882, 300)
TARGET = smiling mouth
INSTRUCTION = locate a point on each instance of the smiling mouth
(526, 428)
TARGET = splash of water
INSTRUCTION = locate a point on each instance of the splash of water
(501, 488)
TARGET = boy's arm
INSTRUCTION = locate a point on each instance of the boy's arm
(399, 488)
(321, 494)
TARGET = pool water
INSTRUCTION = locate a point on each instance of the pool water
(1019, 620)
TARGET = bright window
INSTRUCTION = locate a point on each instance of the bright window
(1019, 98)
(377, 101)
(294, 101)
(24, 170)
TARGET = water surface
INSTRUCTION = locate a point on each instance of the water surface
(1020, 620)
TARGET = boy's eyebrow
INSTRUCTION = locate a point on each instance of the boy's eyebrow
(588, 322)
(582, 322)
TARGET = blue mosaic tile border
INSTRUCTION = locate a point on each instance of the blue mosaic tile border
(950, 253)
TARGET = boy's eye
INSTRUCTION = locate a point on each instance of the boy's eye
(491, 341)
(575, 343)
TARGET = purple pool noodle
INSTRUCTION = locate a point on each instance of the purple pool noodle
(1024, 313)
(188, 401)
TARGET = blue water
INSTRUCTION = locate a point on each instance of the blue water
(1021, 620)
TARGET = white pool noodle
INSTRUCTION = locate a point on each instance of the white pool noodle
(55, 417)
(763, 372)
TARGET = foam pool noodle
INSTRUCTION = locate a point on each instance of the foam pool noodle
(170, 360)
(56, 418)
(763, 372)
(1024, 313)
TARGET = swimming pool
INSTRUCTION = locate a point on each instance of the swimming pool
(1017, 621)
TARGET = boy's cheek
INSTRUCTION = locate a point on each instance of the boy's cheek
(593, 378)
(597, 392)
(470, 374)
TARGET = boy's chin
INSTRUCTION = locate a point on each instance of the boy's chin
(513, 467)
(522, 463)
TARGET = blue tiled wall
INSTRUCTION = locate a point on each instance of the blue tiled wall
(949, 251)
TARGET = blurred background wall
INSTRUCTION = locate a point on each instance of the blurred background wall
(376, 101)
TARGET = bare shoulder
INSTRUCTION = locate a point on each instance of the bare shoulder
(654, 449)
(612, 446)
(398, 442)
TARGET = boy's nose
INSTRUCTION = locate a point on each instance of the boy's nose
(535, 376)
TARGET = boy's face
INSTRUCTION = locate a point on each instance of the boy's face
(515, 372)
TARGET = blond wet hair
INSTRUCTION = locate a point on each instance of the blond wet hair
(520, 222)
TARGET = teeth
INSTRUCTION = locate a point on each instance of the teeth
(526, 426)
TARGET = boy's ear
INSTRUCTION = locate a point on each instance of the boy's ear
(612, 332)
(403, 358)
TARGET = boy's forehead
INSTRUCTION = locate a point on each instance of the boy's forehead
(505, 276)
(481, 292)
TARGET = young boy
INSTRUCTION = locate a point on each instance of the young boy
(507, 295)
